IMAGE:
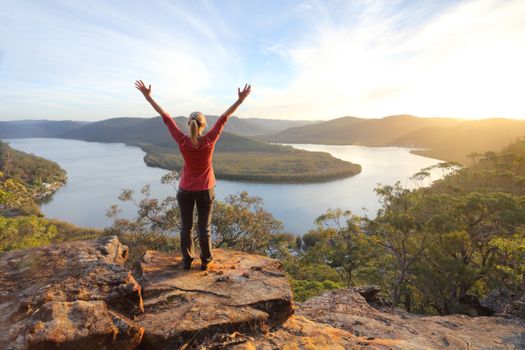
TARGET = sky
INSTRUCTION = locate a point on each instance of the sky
(314, 60)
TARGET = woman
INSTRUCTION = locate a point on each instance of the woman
(197, 178)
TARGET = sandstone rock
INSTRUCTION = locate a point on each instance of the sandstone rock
(76, 325)
(69, 295)
(78, 295)
(298, 333)
(347, 310)
(239, 292)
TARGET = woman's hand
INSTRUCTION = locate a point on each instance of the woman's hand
(245, 92)
(146, 91)
(242, 95)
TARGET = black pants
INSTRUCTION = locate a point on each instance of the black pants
(204, 200)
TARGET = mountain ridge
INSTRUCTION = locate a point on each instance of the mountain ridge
(357, 131)
(447, 139)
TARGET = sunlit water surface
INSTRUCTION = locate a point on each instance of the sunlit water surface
(97, 172)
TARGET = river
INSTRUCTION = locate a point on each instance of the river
(98, 171)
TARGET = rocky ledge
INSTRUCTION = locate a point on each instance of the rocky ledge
(79, 295)
(72, 295)
(352, 313)
(239, 292)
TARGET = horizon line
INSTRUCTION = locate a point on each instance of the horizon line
(277, 118)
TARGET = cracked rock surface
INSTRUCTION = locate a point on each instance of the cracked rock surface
(347, 310)
(239, 292)
(78, 295)
(71, 295)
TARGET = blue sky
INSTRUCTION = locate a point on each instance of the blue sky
(305, 59)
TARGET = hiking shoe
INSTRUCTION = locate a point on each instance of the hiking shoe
(204, 264)
(186, 265)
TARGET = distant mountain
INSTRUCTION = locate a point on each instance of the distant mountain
(120, 130)
(443, 138)
(138, 130)
(454, 143)
(37, 128)
(49, 128)
(358, 131)
(277, 125)
(476, 134)
(257, 126)
(154, 131)
(240, 126)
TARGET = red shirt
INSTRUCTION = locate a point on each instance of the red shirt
(197, 173)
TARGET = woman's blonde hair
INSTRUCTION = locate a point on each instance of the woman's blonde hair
(197, 123)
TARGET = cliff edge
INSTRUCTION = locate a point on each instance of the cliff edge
(78, 295)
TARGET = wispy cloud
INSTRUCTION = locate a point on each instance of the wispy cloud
(78, 60)
(465, 60)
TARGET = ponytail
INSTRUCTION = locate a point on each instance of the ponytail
(194, 132)
(196, 123)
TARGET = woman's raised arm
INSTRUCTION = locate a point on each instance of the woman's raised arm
(168, 120)
(242, 96)
(214, 133)
(146, 91)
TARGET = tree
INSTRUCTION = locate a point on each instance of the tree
(19, 231)
(347, 244)
(441, 274)
(25, 232)
(339, 242)
(240, 222)
(16, 198)
(155, 225)
(508, 270)
(400, 229)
